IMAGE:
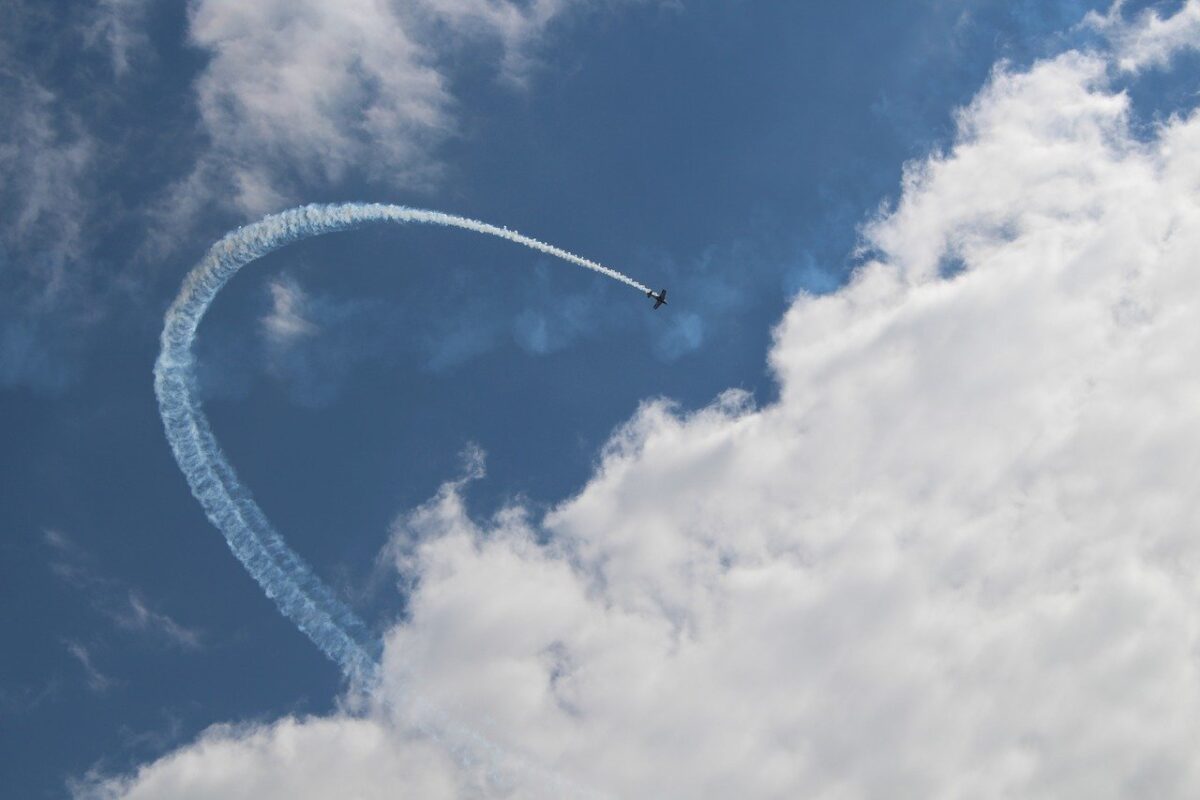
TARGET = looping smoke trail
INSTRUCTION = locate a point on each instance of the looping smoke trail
(283, 575)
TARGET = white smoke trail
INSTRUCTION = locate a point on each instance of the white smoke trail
(283, 575)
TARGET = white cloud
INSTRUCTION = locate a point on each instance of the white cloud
(295, 758)
(955, 559)
(1154, 40)
(313, 91)
(286, 321)
(316, 87)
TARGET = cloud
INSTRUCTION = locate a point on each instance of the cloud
(556, 316)
(545, 328)
(119, 26)
(313, 87)
(295, 100)
(516, 25)
(1154, 40)
(123, 606)
(956, 558)
(286, 323)
(140, 617)
(56, 165)
(311, 92)
(684, 334)
(44, 154)
(810, 276)
(97, 681)
(312, 340)
(23, 699)
(46, 160)
(297, 758)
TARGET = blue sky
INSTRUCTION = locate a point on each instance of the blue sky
(732, 152)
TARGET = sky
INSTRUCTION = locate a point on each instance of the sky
(895, 498)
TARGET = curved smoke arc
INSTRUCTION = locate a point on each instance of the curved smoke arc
(300, 595)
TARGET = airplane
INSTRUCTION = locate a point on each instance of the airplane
(659, 299)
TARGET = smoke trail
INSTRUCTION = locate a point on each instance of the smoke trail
(283, 575)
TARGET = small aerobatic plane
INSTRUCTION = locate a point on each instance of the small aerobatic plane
(659, 299)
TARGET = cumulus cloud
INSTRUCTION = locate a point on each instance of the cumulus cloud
(310, 92)
(313, 87)
(299, 758)
(1155, 39)
(956, 558)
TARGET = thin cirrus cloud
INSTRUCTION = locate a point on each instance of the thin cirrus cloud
(312, 340)
(961, 536)
(124, 606)
(97, 681)
(119, 27)
(46, 161)
(57, 161)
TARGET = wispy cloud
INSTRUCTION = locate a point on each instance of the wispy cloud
(48, 169)
(120, 27)
(294, 99)
(286, 321)
(312, 92)
(154, 740)
(138, 617)
(316, 88)
(24, 699)
(1152, 40)
(97, 681)
(126, 608)
(43, 163)
(311, 341)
